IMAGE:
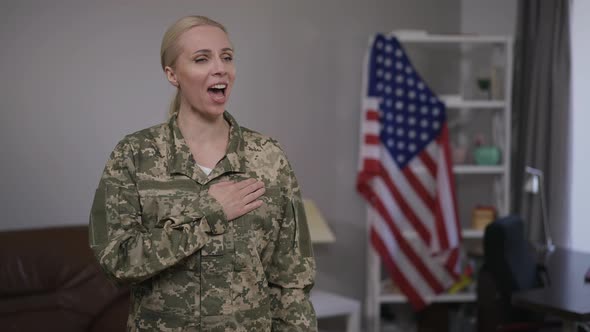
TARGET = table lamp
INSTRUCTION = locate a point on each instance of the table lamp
(534, 185)
(318, 228)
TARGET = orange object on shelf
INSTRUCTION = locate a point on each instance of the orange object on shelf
(482, 216)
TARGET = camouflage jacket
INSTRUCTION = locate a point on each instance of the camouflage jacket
(153, 225)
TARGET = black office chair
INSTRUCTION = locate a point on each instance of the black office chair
(509, 266)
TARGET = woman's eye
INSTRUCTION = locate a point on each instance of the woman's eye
(228, 58)
(200, 60)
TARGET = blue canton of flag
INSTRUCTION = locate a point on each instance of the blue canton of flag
(412, 116)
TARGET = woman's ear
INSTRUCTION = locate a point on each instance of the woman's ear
(171, 76)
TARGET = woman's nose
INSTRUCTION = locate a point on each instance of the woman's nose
(219, 67)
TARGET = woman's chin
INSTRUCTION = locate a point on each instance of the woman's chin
(213, 112)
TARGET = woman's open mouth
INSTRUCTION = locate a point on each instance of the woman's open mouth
(217, 92)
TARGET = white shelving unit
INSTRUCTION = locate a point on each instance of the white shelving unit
(467, 234)
(499, 174)
(473, 169)
(474, 104)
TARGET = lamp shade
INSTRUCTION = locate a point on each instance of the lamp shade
(318, 228)
(532, 180)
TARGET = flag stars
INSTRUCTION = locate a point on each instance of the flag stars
(424, 136)
(400, 132)
(422, 97)
(388, 89)
(412, 95)
(390, 143)
(388, 76)
(399, 92)
(436, 111)
(399, 65)
(424, 110)
(412, 147)
(412, 134)
(389, 116)
(388, 48)
(379, 72)
(379, 86)
(399, 79)
(398, 53)
(399, 105)
(420, 86)
(379, 59)
(401, 158)
(412, 120)
(390, 130)
(424, 123)
(399, 118)
(388, 102)
(410, 82)
(412, 108)
(409, 70)
(387, 62)
(436, 125)
(401, 145)
(379, 45)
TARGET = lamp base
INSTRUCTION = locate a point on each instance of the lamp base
(543, 252)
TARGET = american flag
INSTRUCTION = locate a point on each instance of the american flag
(406, 175)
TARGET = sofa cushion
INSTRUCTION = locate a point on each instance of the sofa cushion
(50, 276)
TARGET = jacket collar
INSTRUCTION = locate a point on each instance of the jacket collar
(181, 161)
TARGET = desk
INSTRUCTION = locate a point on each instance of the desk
(567, 296)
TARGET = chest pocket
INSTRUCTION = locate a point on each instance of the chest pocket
(167, 200)
(262, 218)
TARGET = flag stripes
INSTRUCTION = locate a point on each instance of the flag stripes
(406, 176)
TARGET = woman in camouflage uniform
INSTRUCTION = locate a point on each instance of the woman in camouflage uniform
(203, 217)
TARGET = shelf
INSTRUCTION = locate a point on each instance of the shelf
(442, 298)
(466, 234)
(468, 169)
(475, 104)
(422, 37)
(477, 169)
(470, 234)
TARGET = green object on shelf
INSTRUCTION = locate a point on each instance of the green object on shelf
(484, 83)
(487, 155)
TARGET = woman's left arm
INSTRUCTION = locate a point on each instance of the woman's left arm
(292, 269)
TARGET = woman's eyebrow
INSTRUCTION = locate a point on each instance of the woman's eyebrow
(208, 51)
(202, 51)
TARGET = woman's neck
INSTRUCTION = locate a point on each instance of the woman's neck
(198, 128)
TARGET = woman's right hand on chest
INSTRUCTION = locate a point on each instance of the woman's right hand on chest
(238, 198)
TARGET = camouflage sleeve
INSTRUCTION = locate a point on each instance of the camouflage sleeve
(292, 269)
(127, 250)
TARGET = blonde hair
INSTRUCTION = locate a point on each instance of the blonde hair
(170, 49)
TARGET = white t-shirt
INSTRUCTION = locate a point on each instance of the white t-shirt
(207, 170)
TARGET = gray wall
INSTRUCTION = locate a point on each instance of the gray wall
(497, 17)
(78, 75)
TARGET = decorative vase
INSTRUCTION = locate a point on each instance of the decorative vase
(486, 155)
